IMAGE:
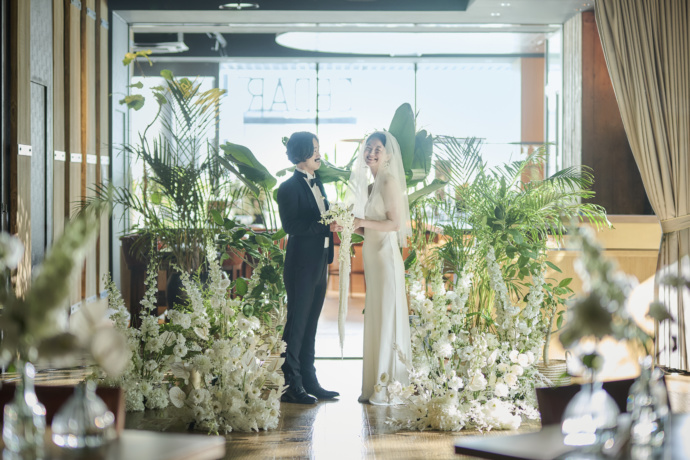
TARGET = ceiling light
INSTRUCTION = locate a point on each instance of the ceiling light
(163, 47)
(495, 15)
(505, 4)
(403, 43)
(239, 6)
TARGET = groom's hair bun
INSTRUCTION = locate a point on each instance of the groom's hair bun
(300, 146)
(377, 135)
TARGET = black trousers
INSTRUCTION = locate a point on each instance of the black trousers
(306, 290)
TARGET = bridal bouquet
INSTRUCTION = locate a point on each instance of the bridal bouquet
(342, 215)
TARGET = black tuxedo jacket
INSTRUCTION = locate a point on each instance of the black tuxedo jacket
(300, 216)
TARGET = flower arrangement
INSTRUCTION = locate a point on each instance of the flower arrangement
(463, 376)
(481, 302)
(342, 215)
(31, 322)
(211, 360)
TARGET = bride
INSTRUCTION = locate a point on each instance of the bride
(382, 215)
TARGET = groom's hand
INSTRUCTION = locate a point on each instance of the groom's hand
(335, 227)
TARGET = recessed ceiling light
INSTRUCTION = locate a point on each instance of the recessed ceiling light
(239, 6)
(495, 15)
(505, 4)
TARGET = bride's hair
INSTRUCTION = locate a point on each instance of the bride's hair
(377, 135)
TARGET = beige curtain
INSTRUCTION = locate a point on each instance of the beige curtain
(647, 48)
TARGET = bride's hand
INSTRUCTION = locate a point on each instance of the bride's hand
(359, 222)
(335, 227)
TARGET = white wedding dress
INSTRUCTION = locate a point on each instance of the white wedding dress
(386, 319)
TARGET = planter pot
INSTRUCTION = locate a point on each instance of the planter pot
(556, 372)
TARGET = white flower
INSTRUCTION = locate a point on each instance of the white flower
(180, 350)
(145, 388)
(202, 333)
(510, 379)
(516, 369)
(492, 358)
(477, 383)
(523, 360)
(151, 365)
(501, 390)
(503, 367)
(11, 250)
(513, 355)
(378, 388)
(177, 397)
(530, 357)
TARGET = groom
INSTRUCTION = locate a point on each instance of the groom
(301, 201)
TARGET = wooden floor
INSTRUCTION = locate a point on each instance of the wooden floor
(338, 429)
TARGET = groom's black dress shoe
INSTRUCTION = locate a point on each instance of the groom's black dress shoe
(297, 395)
(319, 392)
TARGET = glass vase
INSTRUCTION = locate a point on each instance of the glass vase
(24, 422)
(84, 420)
(648, 408)
(590, 419)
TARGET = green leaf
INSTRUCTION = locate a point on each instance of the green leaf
(225, 256)
(129, 57)
(402, 127)
(156, 198)
(133, 101)
(421, 164)
(511, 251)
(217, 218)
(138, 85)
(553, 267)
(356, 238)
(559, 321)
(248, 310)
(167, 74)
(564, 282)
(241, 286)
(437, 184)
(328, 173)
(411, 259)
(239, 234)
(263, 241)
(279, 235)
(248, 166)
(658, 311)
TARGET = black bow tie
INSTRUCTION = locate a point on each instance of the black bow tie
(312, 182)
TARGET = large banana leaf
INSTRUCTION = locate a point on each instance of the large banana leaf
(403, 129)
(331, 173)
(248, 166)
(421, 164)
(437, 184)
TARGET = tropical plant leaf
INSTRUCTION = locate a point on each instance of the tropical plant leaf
(248, 166)
(328, 173)
(437, 184)
(402, 127)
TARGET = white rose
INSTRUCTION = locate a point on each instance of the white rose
(477, 383)
(530, 357)
(501, 390)
(492, 358)
(513, 355)
(516, 369)
(523, 360)
(503, 367)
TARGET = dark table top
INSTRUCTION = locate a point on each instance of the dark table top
(548, 444)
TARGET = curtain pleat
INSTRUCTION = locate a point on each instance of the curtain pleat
(647, 49)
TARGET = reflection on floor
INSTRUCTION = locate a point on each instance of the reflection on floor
(339, 429)
(327, 341)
